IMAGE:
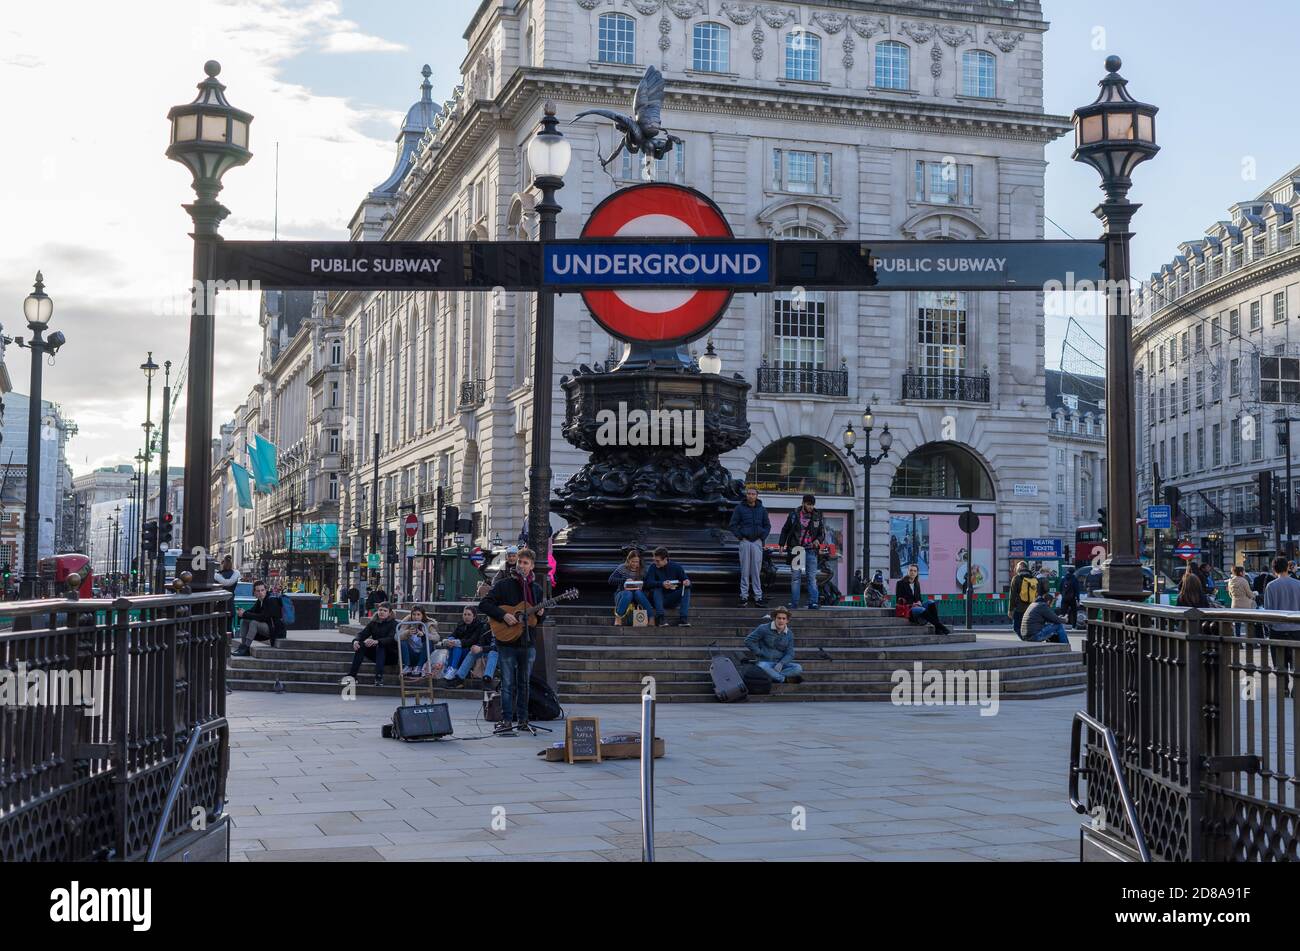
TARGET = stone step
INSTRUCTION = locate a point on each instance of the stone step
(699, 681)
(600, 678)
(815, 664)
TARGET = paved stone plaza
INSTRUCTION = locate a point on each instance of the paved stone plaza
(312, 780)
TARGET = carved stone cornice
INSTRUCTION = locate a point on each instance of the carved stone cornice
(867, 27)
(921, 33)
(1004, 40)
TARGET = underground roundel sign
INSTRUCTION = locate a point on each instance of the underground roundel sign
(667, 315)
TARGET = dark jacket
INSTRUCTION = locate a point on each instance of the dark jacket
(656, 576)
(376, 597)
(1015, 602)
(270, 612)
(766, 644)
(1070, 587)
(354, 594)
(385, 632)
(476, 634)
(790, 531)
(909, 591)
(506, 593)
(750, 522)
(1039, 613)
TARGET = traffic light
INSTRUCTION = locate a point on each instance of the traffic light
(1172, 497)
(5, 572)
(165, 531)
(1101, 517)
(150, 536)
(1265, 492)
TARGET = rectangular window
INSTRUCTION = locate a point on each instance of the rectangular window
(1236, 256)
(944, 183)
(1216, 386)
(711, 48)
(1234, 323)
(617, 39)
(1183, 348)
(1161, 350)
(1173, 456)
(334, 440)
(800, 328)
(1187, 452)
(334, 487)
(1279, 307)
(1257, 444)
(1187, 395)
(979, 74)
(1216, 331)
(1200, 449)
(1200, 388)
(1151, 408)
(1198, 338)
(336, 352)
(1163, 462)
(1235, 438)
(1234, 377)
(1216, 444)
(1151, 363)
(803, 56)
(805, 173)
(1256, 316)
(1160, 394)
(941, 332)
(1173, 400)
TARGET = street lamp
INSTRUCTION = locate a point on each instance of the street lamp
(868, 462)
(149, 368)
(1114, 135)
(548, 156)
(710, 362)
(209, 136)
(37, 310)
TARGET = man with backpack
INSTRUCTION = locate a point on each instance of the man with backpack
(806, 529)
(772, 644)
(1023, 593)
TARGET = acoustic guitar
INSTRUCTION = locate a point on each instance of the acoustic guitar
(509, 633)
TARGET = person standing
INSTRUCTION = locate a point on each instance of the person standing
(354, 601)
(517, 656)
(772, 644)
(1070, 597)
(1283, 594)
(1242, 598)
(226, 577)
(669, 587)
(750, 523)
(804, 528)
(1022, 593)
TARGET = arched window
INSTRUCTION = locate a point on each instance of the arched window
(803, 56)
(797, 465)
(979, 74)
(711, 48)
(942, 471)
(616, 41)
(893, 65)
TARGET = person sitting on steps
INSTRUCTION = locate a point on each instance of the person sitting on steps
(908, 592)
(628, 580)
(475, 638)
(669, 587)
(419, 645)
(1041, 623)
(377, 640)
(772, 644)
(263, 621)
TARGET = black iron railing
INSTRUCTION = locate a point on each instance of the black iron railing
(811, 382)
(1246, 517)
(87, 778)
(472, 393)
(1205, 727)
(950, 387)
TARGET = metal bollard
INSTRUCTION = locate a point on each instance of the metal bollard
(647, 777)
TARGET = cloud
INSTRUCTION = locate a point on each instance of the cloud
(352, 42)
(101, 204)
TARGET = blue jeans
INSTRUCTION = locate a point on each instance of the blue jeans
(516, 668)
(809, 572)
(681, 598)
(1051, 632)
(413, 656)
(769, 668)
(467, 664)
(623, 600)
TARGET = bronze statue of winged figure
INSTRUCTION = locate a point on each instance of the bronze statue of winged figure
(642, 131)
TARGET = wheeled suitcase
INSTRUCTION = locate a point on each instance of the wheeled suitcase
(728, 686)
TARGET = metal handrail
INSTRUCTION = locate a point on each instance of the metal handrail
(1112, 752)
(647, 775)
(173, 793)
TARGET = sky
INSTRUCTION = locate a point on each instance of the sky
(90, 199)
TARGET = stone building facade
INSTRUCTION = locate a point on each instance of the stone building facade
(1207, 421)
(855, 120)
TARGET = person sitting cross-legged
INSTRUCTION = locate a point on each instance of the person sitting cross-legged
(1041, 623)
(376, 640)
(772, 644)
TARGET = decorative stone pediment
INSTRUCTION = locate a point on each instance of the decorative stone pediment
(786, 213)
(937, 223)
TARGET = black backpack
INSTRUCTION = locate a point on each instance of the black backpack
(756, 681)
(542, 702)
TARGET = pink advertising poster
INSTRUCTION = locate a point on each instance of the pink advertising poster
(938, 545)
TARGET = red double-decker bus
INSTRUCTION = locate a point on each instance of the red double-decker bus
(1088, 539)
(54, 572)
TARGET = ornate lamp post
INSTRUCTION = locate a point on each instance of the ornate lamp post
(37, 310)
(209, 136)
(548, 156)
(868, 462)
(1116, 134)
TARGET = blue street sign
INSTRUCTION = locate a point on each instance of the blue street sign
(629, 263)
(1036, 548)
(1160, 516)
